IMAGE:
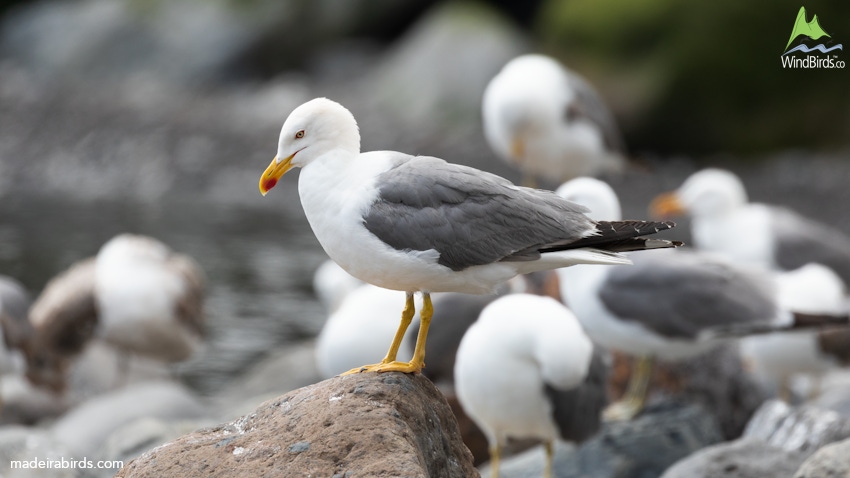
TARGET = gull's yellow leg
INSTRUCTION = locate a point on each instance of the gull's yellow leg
(389, 363)
(494, 461)
(406, 319)
(632, 402)
(418, 361)
(550, 453)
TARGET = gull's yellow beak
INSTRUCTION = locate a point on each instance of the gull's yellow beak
(666, 205)
(273, 173)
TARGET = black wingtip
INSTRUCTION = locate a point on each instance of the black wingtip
(801, 322)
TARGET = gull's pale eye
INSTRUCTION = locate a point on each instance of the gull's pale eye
(299, 134)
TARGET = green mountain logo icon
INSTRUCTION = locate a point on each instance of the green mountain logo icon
(810, 29)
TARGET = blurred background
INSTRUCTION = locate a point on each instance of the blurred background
(158, 117)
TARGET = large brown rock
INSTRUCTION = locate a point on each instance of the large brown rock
(362, 425)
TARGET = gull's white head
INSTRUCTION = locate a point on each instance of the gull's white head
(522, 101)
(311, 130)
(706, 192)
(594, 194)
(125, 248)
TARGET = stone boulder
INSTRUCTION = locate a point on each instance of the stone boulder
(716, 380)
(803, 428)
(831, 461)
(367, 425)
(646, 446)
(776, 442)
(743, 458)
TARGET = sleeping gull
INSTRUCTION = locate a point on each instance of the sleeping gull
(417, 223)
(548, 121)
(136, 294)
(149, 298)
(546, 382)
(670, 305)
(723, 221)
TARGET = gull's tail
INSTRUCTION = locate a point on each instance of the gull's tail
(624, 236)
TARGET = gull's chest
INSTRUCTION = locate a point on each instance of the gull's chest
(335, 198)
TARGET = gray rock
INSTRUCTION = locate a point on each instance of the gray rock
(776, 441)
(469, 42)
(84, 429)
(718, 382)
(831, 461)
(24, 404)
(101, 368)
(803, 428)
(743, 458)
(643, 447)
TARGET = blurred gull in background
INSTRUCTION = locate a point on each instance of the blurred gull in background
(549, 122)
(776, 238)
(669, 305)
(136, 295)
(723, 221)
(777, 358)
(545, 383)
(149, 298)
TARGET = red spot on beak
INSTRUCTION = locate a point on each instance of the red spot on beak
(269, 183)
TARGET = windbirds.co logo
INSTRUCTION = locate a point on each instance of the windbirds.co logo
(810, 31)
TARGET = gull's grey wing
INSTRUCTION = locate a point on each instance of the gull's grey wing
(469, 216)
(577, 412)
(472, 218)
(588, 106)
(680, 295)
(800, 241)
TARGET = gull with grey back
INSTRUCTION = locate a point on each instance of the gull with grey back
(671, 305)
(420, 224)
